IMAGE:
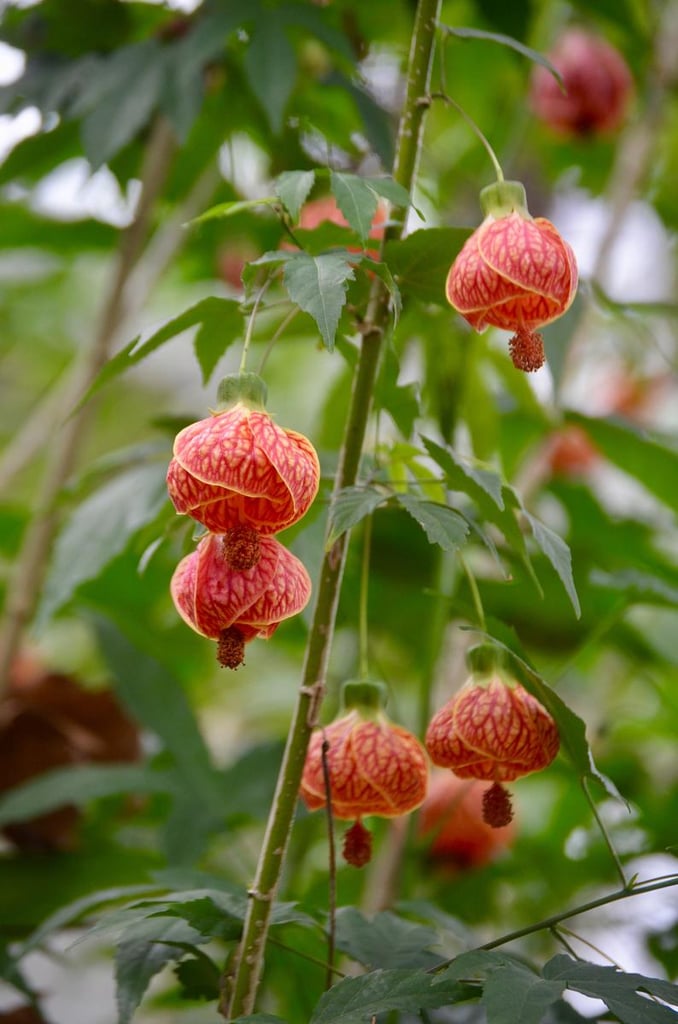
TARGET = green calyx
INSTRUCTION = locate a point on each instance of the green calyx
(485, 659)
(504, 197)
(247, 388)
(368, 697)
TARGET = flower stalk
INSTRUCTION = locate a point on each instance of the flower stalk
(241, 986)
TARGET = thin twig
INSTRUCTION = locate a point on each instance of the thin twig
(591, 945)
(363, 628)
(332, 863)
(307, 956)
(250, 323)
(279, 331)
(559, 937)
(605, 833)
(583, 908)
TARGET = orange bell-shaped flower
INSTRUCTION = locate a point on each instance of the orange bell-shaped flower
(514, 272)
(234, 605)
(492, 729)
(238, 467)
(374, 766)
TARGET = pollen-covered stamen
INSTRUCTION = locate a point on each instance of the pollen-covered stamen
(357, 848)
(526, 348)
(241, 547)
(497, 806)
(231, 648)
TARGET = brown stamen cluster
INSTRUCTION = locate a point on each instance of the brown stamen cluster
(231, 648)
(242, 549)
(357, 848)
(526, 349)
(497, 806)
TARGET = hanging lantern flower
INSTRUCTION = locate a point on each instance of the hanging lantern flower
(514, 272)
(597, 86)
(494, 730)
(374, 767)
(237, 466)
(235, 605)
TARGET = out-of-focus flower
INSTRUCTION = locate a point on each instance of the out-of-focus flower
(597, 81)
(48, 720)
(325, 210)
(452, 827)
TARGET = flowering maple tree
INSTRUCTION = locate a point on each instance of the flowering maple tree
(440, 518)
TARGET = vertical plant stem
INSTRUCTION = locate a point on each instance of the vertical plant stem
(30, 566)
(332, 866)
(240, 988)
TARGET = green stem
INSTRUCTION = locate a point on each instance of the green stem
(241, 987)
(442, 587)
(559, 937)
(583, 908)
(279, 330)
(591, 945)
(605, 833)
(475, 593)
(306, 956)
(475, 129)
(363, 659)
(250, 325)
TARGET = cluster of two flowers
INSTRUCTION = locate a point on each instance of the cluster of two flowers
(492, 730)
(245, 479)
